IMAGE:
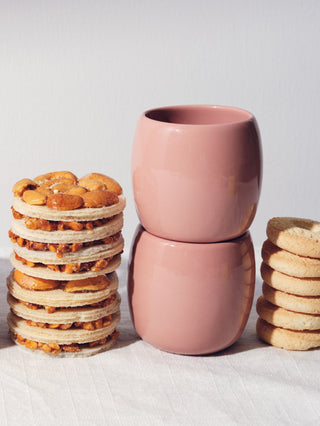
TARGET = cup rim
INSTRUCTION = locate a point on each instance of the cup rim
(247, 115)
(215, 245)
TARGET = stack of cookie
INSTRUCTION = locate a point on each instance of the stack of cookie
(67, 244)
(289, 310)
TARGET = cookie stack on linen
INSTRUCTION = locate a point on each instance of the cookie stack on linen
(67, 244)
(289, 310)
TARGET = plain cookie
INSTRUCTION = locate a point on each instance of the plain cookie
(302, 304)
(283, 318)
(287, 339)
(288, 284)
(289, 263)
(299, 236)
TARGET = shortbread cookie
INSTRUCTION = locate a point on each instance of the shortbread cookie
(287, 339)
(47, 273)
(299, 236)
(59, 297)
(115, 225)
(86, 254)
(289, 263)
(283, 318)
(67, 315)
(71, 351)
(288, 284)
(19, 326)
(302, 304)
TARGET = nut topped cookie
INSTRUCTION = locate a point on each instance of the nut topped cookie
(62, 195)
(67, 245)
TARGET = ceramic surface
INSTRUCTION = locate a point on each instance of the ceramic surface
(190, 298)
(196, 172)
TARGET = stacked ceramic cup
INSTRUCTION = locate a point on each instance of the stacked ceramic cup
(196, 177)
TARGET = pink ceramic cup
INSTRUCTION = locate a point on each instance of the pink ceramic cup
(190, 298)
(196, 172)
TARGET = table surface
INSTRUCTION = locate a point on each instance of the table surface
(135, 384)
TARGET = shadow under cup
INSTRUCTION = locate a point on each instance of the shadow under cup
(190, 298)
(196, 172)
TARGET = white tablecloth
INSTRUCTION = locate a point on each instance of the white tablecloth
(135, 384)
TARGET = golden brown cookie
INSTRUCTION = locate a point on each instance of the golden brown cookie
(302, 304)
(280, 317)
(288, 284)
(289, 263)
(287, 339)
(80, 214)
(59, 297)
(43, 271)
(64, 316)
(297, 235)
(47, 335)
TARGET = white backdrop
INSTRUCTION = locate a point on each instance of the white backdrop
(76, 75)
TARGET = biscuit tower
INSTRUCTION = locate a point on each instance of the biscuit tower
(289, 310)
(67, 244)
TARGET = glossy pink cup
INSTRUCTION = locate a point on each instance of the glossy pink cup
(190, 298)
(196, 172)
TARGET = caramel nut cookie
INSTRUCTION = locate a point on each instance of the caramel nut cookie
(86, 254)
(19, 326)
(58, 297)
(113, 226)
(288, 284)
(297, 235)
(64, 316)
(65, 351)
(289, 263)
(280, 317)
(287, 339)
(63, 191)
(47, 273)
(80, 214)
(302, 304)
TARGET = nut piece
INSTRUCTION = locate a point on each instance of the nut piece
(110, 183)
(88, 284)
(22, 185)
(55, 175)
(64, 201)
(76, 190)
(91, 184)
(34, 197)
(33, 283)
(44, 189)
(99, 199)
(61, 187)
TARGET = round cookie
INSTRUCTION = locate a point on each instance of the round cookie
(288, 284)
(297, 235)
(59, 298)
(87, 213)
(86, 254)
(302, 304)
(64, 316)
(46, 273)
(283, 318)
(55, 237)
(289, 263)
(287, 339)
(84, 352)
(19, 326)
